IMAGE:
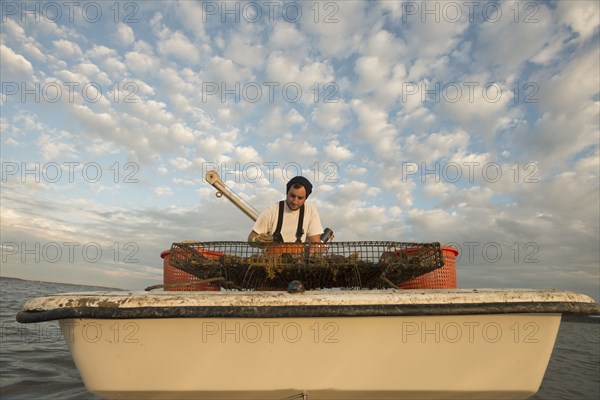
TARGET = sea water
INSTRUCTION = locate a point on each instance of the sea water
(36, 364)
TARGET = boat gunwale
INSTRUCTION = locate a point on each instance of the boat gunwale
(308, 311)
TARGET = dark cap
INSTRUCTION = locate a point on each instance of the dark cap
(301, 181)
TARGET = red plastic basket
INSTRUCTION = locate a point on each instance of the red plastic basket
(175, 279)
(441, 278)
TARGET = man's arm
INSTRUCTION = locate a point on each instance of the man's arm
(251, 236)
(314, 238)
(315, 229)
(261, 226)
(259, 239)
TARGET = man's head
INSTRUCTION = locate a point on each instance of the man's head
(298, 190)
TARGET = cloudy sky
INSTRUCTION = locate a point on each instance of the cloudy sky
(474, 124)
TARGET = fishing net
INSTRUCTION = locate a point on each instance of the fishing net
(348, 265)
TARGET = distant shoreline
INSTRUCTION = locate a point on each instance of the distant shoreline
(11, 278)
(589, 319)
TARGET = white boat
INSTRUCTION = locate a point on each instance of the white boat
(316, 344)
(321, 344)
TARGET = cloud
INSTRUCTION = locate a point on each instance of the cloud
(396, 183)
(333, 116)
(100, 52)
(182, 134)
(109, 59)
(366, 223)
(246, 155)
(580, 16)
(176, 45)
(287, 147)
(382, 73)
(335, 152)
(162, 191)
(86, 72)
(66, 48)
(190, 13)
(211, 148)
(568, 120)
(425, 222)
(124, 35)
(15, 67)
(297, 81)
(287, 39)
(61, 147)
(340, 27)
(395, 126)
(226, 74)
(246, 49)
(352, 194)
(181, 163)
(279, 120)
(425, 149)
(139, 62)
(375, 128)
(501, 56)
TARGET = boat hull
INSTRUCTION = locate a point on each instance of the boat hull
(414, 357)
(390, 344)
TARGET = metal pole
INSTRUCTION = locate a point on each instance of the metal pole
(213, 178)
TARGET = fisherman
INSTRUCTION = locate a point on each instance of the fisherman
(291, 220)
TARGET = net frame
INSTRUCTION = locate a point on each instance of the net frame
(345, 265)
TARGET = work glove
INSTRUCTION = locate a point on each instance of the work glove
(262, 240)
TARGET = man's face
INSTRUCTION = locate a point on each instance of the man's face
(295, 198)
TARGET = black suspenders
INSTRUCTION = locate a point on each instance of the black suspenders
(299, 231)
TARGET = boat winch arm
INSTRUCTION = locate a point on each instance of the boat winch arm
(213, 178)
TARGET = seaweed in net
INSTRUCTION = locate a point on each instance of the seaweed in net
(349, 265)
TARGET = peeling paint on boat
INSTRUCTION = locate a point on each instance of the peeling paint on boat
(126, 299)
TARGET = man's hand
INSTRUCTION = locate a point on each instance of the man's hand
(261, 240)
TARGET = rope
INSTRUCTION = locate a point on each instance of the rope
(389, 283)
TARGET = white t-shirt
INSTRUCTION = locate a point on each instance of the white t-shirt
(267, 222)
